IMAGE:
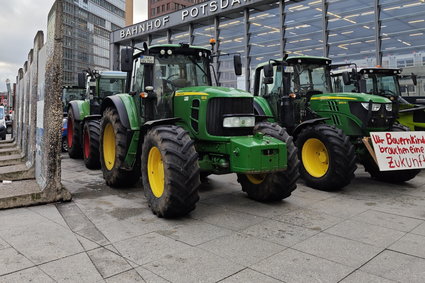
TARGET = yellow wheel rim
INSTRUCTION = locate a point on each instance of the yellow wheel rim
(256, 178)
(315, 158)
(109, 146)
(156, 172)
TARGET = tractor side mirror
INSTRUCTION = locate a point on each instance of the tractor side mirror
(127, 60)
(81, 80)
(268, 71)
(237, 64)
(414, 79)
(267, 80)
(346, 78)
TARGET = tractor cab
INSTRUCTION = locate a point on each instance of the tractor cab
(377, 81)
(100, 84)
(162, 71)
(70, 93)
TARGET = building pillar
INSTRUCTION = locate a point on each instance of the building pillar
(325, 31)
(247, 49)
(378, 37)
(282, 18)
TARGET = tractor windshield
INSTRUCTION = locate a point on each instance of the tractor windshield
(309, 78)
(382, 84)
(69, 94)
(111, 86)
(178, 71)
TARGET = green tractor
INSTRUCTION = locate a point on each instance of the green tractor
(173, 125)
(84, 114)
(383, 82)
(328, 127)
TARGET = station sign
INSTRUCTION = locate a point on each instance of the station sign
(186, 15)
(399, 150)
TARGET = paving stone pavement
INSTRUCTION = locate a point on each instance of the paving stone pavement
(367, 232)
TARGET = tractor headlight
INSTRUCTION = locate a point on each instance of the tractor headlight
(389, 107)
(238, 122)
(375, 106)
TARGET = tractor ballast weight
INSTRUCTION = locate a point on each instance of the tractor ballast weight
(172, 126)
(328, 127)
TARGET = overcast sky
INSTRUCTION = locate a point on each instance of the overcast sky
(19, 22)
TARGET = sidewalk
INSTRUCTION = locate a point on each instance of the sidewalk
(369, 232)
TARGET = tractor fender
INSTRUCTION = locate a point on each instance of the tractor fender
(148, 125)
(126, 108)
(75, 106)
(92, 117)
(304, 124)
(262, 107)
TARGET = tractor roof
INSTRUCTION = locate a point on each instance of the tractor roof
(304, 59)
(112, 74)
(370, 70)
(177, 46)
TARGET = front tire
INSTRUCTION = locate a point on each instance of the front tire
(328, 158)
(278, 185)
(91, 133)
(74, 144)
(395, 176)
(170, 171)
(113, 149)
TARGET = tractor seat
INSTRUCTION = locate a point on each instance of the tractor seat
(179, 83)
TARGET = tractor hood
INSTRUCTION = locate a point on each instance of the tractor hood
(351, 96)
(212, 91)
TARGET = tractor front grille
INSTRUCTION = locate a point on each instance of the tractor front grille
(376, 119)
(220, 106)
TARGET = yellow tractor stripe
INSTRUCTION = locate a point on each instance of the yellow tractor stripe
(333, 97)
(190, 93)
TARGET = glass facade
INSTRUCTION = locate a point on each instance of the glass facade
(390, 33)
(86, 26)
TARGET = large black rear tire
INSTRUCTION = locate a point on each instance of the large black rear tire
(397, 176)
(170, 171)
(91, 133)
(112, 157)
(328, 158)
(74, 140)
(278, 185)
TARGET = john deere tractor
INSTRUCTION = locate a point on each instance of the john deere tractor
(174, 125)
(383, 82)
(84, 114)
(328, 127)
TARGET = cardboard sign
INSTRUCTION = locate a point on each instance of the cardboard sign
(399, 150)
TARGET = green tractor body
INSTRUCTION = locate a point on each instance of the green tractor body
(383, 82)
(328, 127)
(84, 113)
(173, 126)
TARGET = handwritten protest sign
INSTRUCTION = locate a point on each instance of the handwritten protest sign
(399, 150)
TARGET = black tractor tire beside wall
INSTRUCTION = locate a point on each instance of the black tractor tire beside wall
(91, 135)
(396, 176)
(169, 154)
(115, 175)
(278, 185)
(327, 146)
(74, 148)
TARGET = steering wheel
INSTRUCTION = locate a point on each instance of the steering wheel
(168, 82)
(304, 88)
(173, 75)
(387, 91)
